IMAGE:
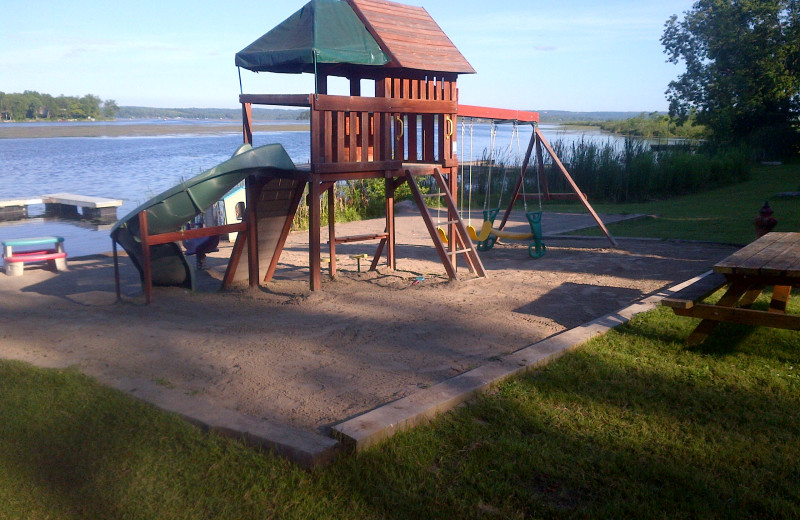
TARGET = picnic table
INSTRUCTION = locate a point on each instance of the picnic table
(770, 261)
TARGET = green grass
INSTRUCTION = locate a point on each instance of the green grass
(720, 215)
(632, 425)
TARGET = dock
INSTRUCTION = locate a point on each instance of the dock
(63, 205)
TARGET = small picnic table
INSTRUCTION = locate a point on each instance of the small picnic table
(772, 260)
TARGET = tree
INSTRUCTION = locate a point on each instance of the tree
(742, 74)
(110, 108)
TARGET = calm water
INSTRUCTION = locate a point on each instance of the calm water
(136, 168)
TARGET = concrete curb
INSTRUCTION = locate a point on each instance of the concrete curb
(307, 448)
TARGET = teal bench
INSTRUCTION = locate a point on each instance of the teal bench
(50, 250)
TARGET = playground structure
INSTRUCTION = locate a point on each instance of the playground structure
(402, 131)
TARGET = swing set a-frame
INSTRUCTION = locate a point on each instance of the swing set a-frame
(488, 234)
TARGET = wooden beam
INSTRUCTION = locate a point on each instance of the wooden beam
(247, 123)
(572, 183)
(498, 114)
(178, 236)
(147, 271)
(252, 191)
(314, 248)
(520, 180)
(285, 100)
(387, 105)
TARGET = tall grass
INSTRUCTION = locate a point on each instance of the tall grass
(616, 172)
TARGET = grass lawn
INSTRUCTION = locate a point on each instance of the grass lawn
(634, 424)
(721, 215)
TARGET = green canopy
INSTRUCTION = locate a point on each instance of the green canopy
(323, 31)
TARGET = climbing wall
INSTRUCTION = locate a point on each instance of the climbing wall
(277, 204)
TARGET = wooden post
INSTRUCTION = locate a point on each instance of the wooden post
(520, 180)
(575, 188)
(147, 273)
(452, 216)
(544, 189)
(332, 227)
(390, 240)
(247, 123)
(252, 230)
(314, 249)
(116, 267)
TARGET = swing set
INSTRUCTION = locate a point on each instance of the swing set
(488, 234)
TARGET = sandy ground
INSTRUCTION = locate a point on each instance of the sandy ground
(312, 360)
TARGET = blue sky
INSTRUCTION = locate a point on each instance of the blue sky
(578, 55)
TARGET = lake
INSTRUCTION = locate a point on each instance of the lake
(135, 169)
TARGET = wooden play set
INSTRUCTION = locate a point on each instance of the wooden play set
(403, 130)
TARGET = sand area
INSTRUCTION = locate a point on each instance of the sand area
(313, 359)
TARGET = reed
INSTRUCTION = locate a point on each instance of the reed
(616, 172)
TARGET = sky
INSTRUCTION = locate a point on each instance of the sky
(576, 55)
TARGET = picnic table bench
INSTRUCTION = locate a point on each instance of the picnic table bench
(771, 261)
(53, 253)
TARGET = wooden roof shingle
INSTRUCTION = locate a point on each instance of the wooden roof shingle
(410, 37)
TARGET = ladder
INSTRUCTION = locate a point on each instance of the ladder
(461, 243)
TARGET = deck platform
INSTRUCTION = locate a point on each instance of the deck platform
(63, 205)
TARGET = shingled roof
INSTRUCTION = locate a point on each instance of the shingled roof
(410, 37)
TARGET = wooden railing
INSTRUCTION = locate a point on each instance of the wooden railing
(359, 134)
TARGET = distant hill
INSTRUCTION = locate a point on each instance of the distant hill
(233, 114)
(564, 116)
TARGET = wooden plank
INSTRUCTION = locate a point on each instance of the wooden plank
(352, 138)
(393, 104)
(247, 123)
(340, 154)
(498, 114)
(716, 313)
(286, 100)
(729, 264)
(364, 135)
(695, 292)
(361, 238)
(179, 236)
(327, 137)
(342, 167)
(383, 19)
(787, 261)
(755, 264)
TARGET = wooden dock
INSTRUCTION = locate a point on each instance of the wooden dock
(63, 205)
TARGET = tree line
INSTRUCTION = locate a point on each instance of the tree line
(33, 105)
(742, 78)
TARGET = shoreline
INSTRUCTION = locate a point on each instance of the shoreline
(102, 129)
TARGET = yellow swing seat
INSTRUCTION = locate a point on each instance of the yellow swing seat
(487, 230)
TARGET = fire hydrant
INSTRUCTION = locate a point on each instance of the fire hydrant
(764, 222)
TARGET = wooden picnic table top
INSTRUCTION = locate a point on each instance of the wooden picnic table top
(775, 255)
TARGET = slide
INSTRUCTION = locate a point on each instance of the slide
(170, 210)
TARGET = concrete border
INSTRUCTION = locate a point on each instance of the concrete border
(381, 423)
(309, 449)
